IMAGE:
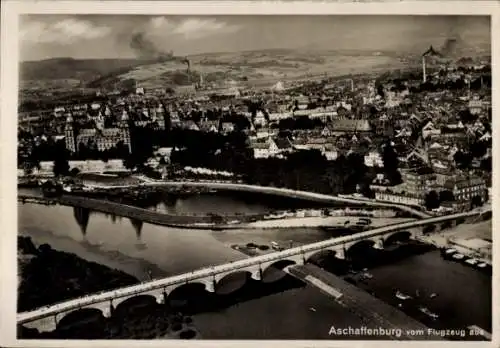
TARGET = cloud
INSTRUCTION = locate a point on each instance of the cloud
(192, 28)
(65, 31)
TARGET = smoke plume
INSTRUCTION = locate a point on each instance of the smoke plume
(456, 25)
(449, 46)
(146, 49)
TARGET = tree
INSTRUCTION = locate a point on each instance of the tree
(476, 201)
(162, 161)
(486, 164)
(462, 160)
(61, 166)
(432, 200)
(391, 163)
(446, 196)
(129, 163)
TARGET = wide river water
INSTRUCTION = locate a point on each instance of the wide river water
(464, 294)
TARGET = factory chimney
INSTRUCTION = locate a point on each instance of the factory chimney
(432, 53)
(424, 76)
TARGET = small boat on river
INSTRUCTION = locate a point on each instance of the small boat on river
(402, 296)
(427, 312)
(367, 275)
(458, 256)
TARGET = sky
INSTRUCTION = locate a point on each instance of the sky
(110, 36)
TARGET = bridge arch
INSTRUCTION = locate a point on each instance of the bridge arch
(279, 262)
(135, 303)
(400, 236)
(187, 288)
(190, 294)
(327, 255)
(81, 317)
(429, 228)
(207, 281)
(273, 271)
(236, 280)
(359, 247)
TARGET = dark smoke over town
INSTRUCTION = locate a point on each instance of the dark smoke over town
(449, 47)
(146, 49)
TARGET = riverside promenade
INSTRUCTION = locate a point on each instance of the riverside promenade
(278, 191)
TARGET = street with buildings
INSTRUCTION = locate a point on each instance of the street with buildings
(376, 148)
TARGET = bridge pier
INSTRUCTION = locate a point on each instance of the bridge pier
(211, 284)
(46, 324)
(379, 244)
(303, 259)
(340, 253)
(108, 311)
(257, 274)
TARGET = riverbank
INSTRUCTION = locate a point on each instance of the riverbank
(474, 240)
(323, 221)
(68, 275)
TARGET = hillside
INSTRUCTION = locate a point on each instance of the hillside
(255, 67)
(251, 67)
(84, 70)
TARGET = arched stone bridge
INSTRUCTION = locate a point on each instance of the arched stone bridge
(46, 318)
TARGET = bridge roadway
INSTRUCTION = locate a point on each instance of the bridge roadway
(278, 191)
(209, 275)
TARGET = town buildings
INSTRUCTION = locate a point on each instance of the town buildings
(429, 130)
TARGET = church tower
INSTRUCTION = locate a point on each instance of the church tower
(125, 130)
(69, 133)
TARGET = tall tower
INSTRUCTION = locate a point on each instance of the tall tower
(125, 130)
(69, 133)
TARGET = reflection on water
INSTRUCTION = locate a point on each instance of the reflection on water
(206, 204)
(82, 216)
(173, 251)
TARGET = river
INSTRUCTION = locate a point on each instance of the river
(166, 251)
